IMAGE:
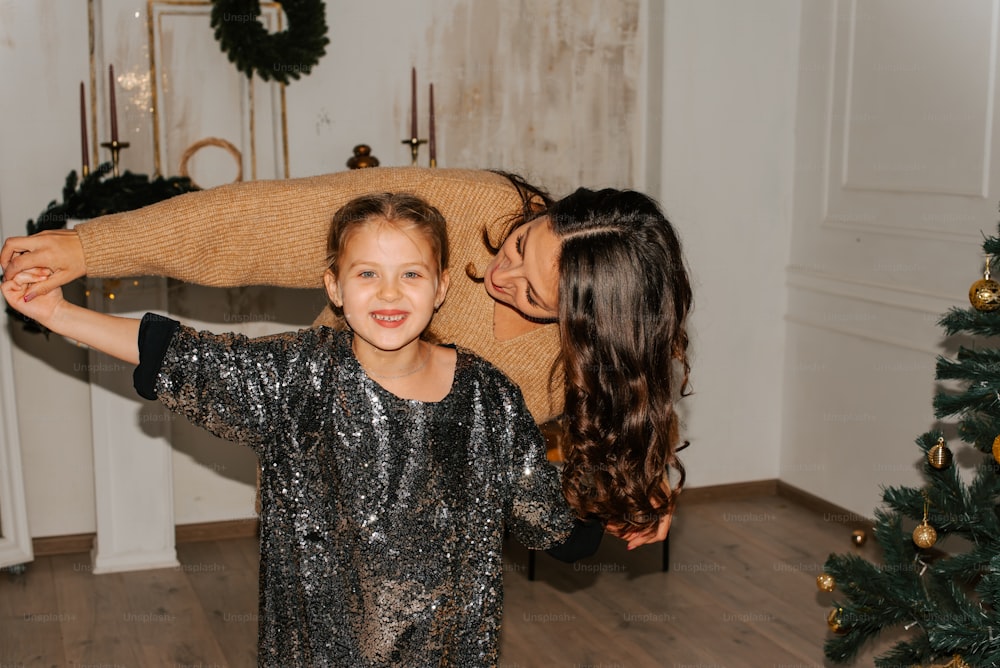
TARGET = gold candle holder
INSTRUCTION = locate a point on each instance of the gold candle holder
(115, 147)
(414, 148)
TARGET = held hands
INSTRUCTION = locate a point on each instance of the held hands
(57, 252)
(44, 307)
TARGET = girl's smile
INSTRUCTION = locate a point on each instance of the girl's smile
(389, 319)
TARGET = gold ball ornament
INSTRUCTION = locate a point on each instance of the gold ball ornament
(996, 449)
(924, 535)
(939, 456)
(825, 582)
(858, 537)
(985, 293)
(835, 621)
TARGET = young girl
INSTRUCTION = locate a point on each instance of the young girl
(390, 466)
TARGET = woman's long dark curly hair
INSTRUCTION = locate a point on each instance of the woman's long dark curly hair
(624, 297)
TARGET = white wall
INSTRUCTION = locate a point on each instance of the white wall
(552, 89)
(728, 105)
(894, 187)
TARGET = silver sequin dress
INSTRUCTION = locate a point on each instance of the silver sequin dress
(381, 518)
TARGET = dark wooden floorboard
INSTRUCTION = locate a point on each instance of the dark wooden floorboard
(740, 592)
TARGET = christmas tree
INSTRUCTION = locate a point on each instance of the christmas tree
(944, 593)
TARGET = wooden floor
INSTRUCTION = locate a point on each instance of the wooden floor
(740, 591)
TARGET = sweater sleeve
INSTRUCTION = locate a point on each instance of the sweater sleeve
(268, 232)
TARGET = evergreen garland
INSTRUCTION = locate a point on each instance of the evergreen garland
(279, 56)
(97, 196)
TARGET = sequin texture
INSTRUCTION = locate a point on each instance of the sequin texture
(382, 518)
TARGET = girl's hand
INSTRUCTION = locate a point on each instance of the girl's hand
(41, 308)
(58, 252)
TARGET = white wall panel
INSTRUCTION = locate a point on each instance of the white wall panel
(894, 189)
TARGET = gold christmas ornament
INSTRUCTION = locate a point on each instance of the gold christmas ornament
(924, 536)
(825, 582)
(939, 456)
(835, 621)
(858, 537)
(996, 449)
(985, 293)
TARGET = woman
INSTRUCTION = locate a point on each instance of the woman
(583, 303)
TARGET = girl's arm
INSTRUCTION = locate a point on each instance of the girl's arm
(113, 335)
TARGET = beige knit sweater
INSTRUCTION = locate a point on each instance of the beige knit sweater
(274, 233)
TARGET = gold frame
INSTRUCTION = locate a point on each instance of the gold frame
(151, 37)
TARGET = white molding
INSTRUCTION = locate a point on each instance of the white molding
(857, 333)
(850, 207)
(902, 300)
(15, 541)
(883, 294)
(830, 221)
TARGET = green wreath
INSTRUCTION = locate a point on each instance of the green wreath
(279, 56)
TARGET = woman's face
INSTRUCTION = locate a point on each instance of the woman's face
(525, 272)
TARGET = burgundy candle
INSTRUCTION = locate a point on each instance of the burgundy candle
(83, 130)
(113, 110)
(430, 137)
(413, 102)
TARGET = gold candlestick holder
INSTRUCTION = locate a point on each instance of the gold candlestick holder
(414, 148)
(115, 147)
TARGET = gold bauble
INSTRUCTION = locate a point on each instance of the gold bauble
(996, 449)
(858, 537)
(825, 582)
(985, 294)
(835, 622)
(956, 662)
(939, 456)
(924, 535)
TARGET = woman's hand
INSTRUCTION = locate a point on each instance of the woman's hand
(58, 252)
(638, 538)
(635, 539)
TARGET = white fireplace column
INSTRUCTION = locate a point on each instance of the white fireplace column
(133, 472)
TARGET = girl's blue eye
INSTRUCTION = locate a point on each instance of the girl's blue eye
(366, 274)
(411, 274)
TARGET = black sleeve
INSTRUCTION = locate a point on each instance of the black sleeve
(582, 543)
(155, 334)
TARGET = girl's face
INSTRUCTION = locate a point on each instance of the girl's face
(524, 273)
(388, 285)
